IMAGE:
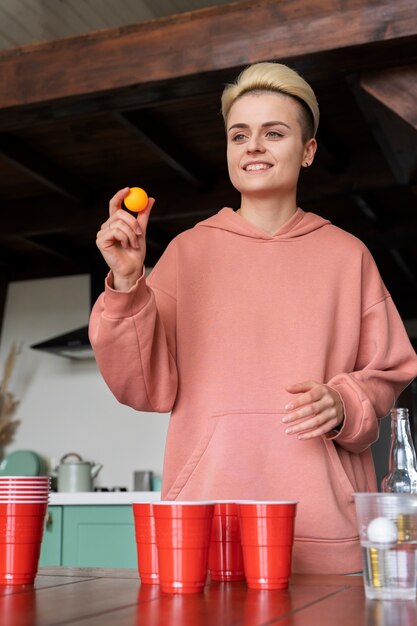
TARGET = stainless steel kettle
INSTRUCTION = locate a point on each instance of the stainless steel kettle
(74, 474)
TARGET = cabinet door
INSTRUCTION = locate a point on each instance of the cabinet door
(99, 536)
(51, 552)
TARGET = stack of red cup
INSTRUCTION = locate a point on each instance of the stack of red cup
(179, 542)
(23, 506)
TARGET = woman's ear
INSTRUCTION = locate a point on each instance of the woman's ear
(309, 152)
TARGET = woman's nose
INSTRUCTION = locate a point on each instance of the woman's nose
(255, 144)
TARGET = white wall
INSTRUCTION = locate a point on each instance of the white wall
(64, 405)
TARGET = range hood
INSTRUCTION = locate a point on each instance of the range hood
(72, 345)
(75, 344)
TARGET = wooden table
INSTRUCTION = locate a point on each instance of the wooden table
(104, 597)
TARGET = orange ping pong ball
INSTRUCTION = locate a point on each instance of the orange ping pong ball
(136, 200)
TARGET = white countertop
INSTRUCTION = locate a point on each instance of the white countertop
(103, 497)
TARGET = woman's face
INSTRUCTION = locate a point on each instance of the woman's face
(265, 149)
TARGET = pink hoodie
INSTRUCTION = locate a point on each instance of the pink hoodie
(230, 315)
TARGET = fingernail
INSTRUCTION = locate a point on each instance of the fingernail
(289, 406)
(285, 419)
(289, 431)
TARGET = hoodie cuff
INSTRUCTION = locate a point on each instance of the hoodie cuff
(349, 426)
(121, 304)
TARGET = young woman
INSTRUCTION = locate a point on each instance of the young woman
(267, 331)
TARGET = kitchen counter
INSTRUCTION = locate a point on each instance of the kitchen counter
(103, 497)
(103, 597)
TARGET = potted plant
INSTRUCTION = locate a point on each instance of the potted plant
(8, 404)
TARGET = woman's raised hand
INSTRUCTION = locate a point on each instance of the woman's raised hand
(121, 241)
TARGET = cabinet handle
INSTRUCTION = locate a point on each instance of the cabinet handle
(48, 520)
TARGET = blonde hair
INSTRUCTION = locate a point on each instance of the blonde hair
(273, 77)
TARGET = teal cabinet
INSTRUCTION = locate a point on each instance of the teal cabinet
(99, 536)
(90, 536)
(51, 551)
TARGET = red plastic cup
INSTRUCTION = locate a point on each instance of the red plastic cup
(18, 486)
(25, 480)
(26, 500)
(183, 531)
(21, 495)
(267, 534)
(225, 554)
(21, 531)
(146, 542)
(24, 489)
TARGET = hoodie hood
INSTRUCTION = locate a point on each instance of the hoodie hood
(298, 225)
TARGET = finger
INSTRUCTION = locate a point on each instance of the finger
(315, 427)
(143, 216)
(131, 225)
(303, 412)
(312, 421)
(313, 392)
(300, 387)
(121, 217)
(124, 233)
(318, 432)
(114, 236)
(311, 406)
(120, 227)
(324, 408)
(116, 201)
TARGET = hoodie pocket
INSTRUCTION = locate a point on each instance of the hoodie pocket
(247, 455)
(345, 483)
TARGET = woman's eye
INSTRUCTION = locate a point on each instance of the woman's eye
(274, 134)
(238, 137)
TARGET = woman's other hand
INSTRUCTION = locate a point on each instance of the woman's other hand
(315, 411)
(121, 241)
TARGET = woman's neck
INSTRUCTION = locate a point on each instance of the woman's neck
(268, 214)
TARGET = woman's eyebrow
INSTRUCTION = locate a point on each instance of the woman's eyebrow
(264, 125)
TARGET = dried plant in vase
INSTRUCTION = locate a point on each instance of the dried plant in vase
(8, 404)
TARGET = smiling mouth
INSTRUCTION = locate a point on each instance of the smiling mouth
(257, 167)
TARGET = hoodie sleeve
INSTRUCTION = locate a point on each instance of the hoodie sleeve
(386, 363)
(133, 337)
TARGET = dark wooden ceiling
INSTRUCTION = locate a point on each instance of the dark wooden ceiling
(140, 106)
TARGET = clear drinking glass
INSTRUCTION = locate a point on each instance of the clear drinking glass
(387, 524)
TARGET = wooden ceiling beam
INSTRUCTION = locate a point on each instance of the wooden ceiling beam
(157, 138)
(397, 139)
(395, 88)
(197, 43)
(36, 166)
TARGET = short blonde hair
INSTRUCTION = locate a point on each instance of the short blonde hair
(276, 77)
